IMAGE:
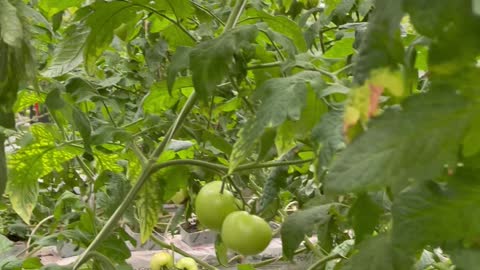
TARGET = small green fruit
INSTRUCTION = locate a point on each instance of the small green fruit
(161, 260)
(186, 263)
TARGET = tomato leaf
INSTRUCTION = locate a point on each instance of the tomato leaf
(221, 251)
(106, 18)
(450, 206)
(33, 162)
(299, 224)
(11, 28)
(376, 253)
(403, 139)
(210, 61)
(180, 62)
(328, 137)
(381, 46)
(68, 54)
(281, 99)
(5, 244)
(365, 215)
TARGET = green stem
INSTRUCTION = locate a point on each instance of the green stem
(312, 247)
(179, 25)
(27, 247)
(265, 65)
(3, 164)
(209, 12)
(324, 260)
(222, 168)
(147, 171)
(182, 252)
(235, 15)
(272, 260)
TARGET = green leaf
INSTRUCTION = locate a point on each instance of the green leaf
(180, 62)
(340, 49)
(5, 244)
(431, 214)
(365, 6)
(180, 8)
(149, 205)
(106, 18)
(107, 161)
(52, 7)
(27, 98)
(381, 46)
(32, 263)
(465, 259)
(281, 99)
(284, 26)
(365, 216)
(11, 28)
(375, 253)
(471, 142)
(299, 224)
(210, 61)
(159, 100)
(82, 124)
(245, 267)
(403, 139)
(68, 54)
(328, 136)
(33, 162)
(221, 251)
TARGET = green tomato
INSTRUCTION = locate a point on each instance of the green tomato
(161, 260)
(186, 263)
(212, 207)
(246, 234)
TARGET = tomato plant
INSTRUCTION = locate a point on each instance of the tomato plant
(246, 234)
(351, 120)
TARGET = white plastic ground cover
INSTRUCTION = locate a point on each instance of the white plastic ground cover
(141, 259)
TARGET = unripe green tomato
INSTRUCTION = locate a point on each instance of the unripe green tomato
(186, 263)
(246, 234)
(212, 207)
(161, 260)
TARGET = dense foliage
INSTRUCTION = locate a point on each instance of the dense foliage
(354, 120)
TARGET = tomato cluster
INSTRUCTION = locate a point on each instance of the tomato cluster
(240, 231)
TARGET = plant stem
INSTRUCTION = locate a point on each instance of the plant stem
(147, 171)
(3, 164)
(235, 15)
(265, 65)
(209, 12)
(272, 260)
(182, 252)
(324, 260)
(312, 247)
(27, 247)
(222, 168)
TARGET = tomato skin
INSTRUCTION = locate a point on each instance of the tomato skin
(212, 207)
(186, 263)
(161, 261)
(246, 234)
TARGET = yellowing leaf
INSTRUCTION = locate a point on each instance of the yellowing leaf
(392, 81)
